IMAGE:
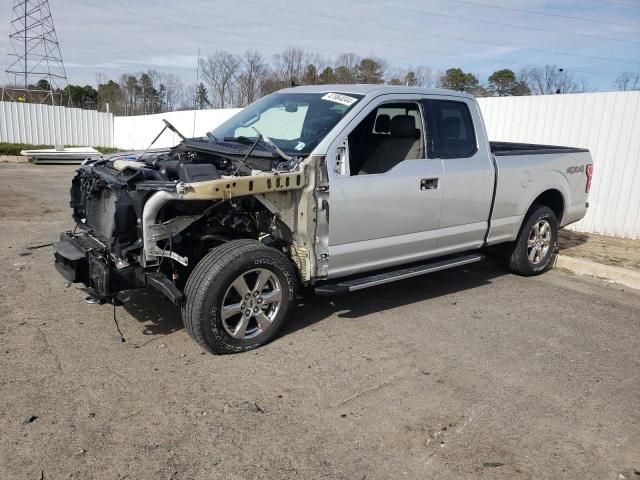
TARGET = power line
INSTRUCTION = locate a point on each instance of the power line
(618, 3)
(168, 21)
(403, 47)
(546, 14)
(138, 15)
(449, 37)
(489, 22)
(244, 36)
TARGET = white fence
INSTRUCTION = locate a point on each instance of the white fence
(48, 125)
(138, 132)
(608, 124)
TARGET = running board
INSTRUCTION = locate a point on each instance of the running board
(388, 277)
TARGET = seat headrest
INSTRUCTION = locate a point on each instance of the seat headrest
(451, 128)
(382, 123)
(402, 126)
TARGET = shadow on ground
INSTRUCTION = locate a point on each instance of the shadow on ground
(161, 317)
(568, 239)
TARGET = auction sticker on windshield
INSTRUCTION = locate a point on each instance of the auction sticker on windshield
(340, 98)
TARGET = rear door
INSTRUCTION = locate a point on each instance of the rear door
(457, 138)
(384, 196)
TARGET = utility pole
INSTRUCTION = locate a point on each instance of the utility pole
(26, 52)
(36, 71)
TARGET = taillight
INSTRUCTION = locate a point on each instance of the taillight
(589, 171)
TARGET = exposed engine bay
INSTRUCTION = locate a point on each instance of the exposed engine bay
(147, 220)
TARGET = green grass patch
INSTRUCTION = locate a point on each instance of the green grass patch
(16, 148)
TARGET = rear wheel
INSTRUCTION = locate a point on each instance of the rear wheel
(238, 296)
(533, 250)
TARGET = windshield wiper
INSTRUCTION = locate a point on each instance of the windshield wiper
(261, 139)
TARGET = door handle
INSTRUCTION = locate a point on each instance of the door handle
(429, 183)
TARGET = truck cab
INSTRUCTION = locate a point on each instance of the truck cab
(412, 179)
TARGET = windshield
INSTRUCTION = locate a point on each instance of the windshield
(295, 122)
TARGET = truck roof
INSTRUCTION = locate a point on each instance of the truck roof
(376, 89)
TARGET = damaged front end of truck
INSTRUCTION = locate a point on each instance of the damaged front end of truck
(226, 225)
(147, 223)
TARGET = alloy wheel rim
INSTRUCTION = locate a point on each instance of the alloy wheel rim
(251, 304)
(539, 242)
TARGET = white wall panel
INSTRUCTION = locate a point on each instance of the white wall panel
(49, 125)
(137, 132)
(608, 124)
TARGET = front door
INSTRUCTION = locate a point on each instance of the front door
(385, 195)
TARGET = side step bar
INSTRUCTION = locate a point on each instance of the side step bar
(381, 278)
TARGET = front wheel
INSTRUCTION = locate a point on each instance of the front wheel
(533, 250)
(238, 296)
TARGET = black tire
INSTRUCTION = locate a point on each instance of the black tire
(210, 284)
(518, 253)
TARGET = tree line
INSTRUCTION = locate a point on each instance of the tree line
(232, 80)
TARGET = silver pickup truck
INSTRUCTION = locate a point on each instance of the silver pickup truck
(338, 187)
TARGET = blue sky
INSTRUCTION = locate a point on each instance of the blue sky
(595, 39)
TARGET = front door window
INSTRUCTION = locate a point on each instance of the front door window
(390, 134)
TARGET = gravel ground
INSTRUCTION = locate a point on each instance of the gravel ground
(464, 374)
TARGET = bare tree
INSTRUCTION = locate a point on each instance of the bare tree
(396, 76)
(419, 76)
(550, 79)
(318, 61)
(425, 77)
(155, 77)
(627, 81)
(238, 80)
(188, 99)
(346, 68)
(173, 91)
(350, 61)
(252, 73)
(289, 65)
(271, 83)
(220, 71)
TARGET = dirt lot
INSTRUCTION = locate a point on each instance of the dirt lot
(465, 374)
(618, 252)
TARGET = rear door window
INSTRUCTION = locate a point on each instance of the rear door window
(450, 129)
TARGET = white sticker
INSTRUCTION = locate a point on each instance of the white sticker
(340, 98)
(299, 146)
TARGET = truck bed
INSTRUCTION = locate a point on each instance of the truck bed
(510, 148)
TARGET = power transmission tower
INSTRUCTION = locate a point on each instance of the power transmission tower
(36, 71)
